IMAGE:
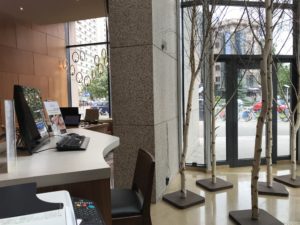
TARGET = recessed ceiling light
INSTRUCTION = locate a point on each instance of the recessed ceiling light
(21, 8)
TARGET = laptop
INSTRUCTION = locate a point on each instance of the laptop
(70, 116)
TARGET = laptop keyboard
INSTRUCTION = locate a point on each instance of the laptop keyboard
(72, 142)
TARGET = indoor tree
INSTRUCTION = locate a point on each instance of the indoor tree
(198, 41)
(214, 183)
(255, 214)
(269, 187)
(293, 111)
(294, 119)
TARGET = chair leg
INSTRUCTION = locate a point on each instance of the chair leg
(147, 220)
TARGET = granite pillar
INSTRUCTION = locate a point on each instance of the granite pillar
(144, 87)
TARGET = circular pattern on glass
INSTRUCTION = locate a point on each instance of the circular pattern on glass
(103, 53)
(75, 57)
(101, 68)
(96, 60)
(82, 55)
(87, 81)
(79, 77)
(72, 70)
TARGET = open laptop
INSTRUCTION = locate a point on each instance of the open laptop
(70, 115)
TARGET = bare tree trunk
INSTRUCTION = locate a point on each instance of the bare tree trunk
(294, 129)
(293, 151)
(269, 144)
(212, 118)
(262, 117)
(295, 125)
(186, 135)
(194, 73)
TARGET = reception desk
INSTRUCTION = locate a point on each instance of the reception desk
(83, 173)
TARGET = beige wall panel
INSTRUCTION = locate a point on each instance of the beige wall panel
(56, 30)
(6, 90)
(8, 32)
(15, 61)
(40, 83)
(24, 59)
(58, 89)
(56, 47)
(30, 40)
(6, 85)
(46, 65)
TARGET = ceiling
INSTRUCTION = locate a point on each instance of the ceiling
(53, 11)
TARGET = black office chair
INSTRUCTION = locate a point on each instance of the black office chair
(132, 206)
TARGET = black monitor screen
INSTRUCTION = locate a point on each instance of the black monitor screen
(30, 114)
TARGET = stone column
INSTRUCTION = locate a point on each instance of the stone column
(144, 86)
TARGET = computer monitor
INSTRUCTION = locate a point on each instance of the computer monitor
(31, 118)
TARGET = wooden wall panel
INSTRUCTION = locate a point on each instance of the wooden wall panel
(8, 32)
(32, 55)
(45, 65)
(36, 82)
(6, 85)
(56, 46)
(56, 30)
(31, 40)
(13, 60)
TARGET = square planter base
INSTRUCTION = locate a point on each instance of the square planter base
(287, 180)
(176, 200)
(277, 189)
(208, 185)
(243, 217)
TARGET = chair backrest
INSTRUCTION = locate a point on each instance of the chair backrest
(143, 177)
(91, 115)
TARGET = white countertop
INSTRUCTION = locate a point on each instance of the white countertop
(51, 167)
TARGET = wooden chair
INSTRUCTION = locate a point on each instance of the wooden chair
(132, 206)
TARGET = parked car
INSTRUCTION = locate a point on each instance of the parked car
(102, 106)
(257, 106)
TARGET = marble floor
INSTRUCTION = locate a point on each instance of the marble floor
(217, 205)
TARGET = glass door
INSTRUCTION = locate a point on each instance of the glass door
(283, 108)
(249, 105)
(243, 98)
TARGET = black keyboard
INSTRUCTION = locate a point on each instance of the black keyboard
(86, 212)
(72, 142)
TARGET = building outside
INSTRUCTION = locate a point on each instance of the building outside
(234, 37)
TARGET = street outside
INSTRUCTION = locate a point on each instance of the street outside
(246, 139)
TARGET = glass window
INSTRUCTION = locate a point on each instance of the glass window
(88, 66)
(238, 32)
(195, 152)
(284, 88)
(90, 30)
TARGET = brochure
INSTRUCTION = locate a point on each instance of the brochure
(57, 122)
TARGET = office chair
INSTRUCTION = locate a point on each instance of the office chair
(132, 206)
